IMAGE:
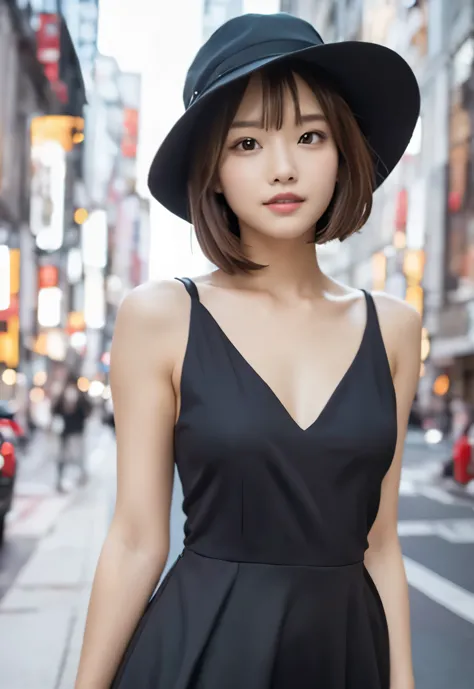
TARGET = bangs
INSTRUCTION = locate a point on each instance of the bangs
(277, 82)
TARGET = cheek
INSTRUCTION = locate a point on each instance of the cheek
(325, 175)
(237, 182)
(327, 165)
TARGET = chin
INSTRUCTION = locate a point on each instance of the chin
(287, 229)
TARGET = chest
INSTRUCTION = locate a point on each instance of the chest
(300, 355)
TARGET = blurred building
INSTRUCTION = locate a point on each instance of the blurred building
(116, 233)
(82, 19)
(216, 12)
(72, 225)
(326, 15)
(42, 121)
(25, 90)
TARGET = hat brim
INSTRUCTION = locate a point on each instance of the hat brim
(376, 82)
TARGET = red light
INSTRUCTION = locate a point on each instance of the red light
(8, 453)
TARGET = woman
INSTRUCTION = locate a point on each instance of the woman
(282, 395)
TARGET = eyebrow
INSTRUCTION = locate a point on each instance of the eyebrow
(257, 124)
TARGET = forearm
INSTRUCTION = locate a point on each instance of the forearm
(123, 583)
(386, 568)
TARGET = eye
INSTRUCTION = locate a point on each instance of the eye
(312, 138)
(247, 144)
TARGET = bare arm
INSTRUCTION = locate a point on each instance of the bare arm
(384, 559)
(135, 551)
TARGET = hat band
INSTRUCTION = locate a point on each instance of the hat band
(250, 54)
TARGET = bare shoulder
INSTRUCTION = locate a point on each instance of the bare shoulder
(398, 312)
(401, 328)
(152, 319)
(154, 304)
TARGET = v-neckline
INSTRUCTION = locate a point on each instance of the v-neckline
(334, 394)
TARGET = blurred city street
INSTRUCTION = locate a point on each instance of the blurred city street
(89, 89)
(53, 542)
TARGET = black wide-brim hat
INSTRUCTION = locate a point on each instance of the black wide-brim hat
(375, 81)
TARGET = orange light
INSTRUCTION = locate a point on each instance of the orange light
(83, 384)
(80, 216)
(414, 296)
(413, 265)
(14, 271)
(75, 322)
(9, 343)
(56, 128)
(441, 385)
(41, 345)
(78, 138)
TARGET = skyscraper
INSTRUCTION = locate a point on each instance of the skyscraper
(82, 19)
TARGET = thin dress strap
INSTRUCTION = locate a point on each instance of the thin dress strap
(372, 315)
(373, 326)
(191, 288)
(371, 310)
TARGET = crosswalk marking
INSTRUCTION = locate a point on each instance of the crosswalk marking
(411, 485)
(452, 530)
(440, 590)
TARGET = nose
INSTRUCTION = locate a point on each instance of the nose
(282, 168)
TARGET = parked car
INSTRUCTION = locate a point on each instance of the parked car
(10, 428)
(10, 433)
(7, 480)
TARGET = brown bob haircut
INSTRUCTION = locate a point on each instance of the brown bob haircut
(215, 224)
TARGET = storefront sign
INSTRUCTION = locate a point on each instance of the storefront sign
(130, 133)
(48, 40)
(48, 276)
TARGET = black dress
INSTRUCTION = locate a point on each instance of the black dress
(270, 591)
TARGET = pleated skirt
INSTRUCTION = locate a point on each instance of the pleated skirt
(217, 624)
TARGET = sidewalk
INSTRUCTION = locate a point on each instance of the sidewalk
(42, 616)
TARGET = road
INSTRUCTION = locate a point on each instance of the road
(436, 528)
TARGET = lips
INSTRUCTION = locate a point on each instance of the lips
(284, 199)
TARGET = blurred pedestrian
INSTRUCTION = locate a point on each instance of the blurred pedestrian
(461, 415)
(461, 453)
(289, 442)
(70, 412)
(108, 414)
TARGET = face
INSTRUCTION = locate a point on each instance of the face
(279, 182)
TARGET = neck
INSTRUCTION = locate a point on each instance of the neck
(293, 268)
